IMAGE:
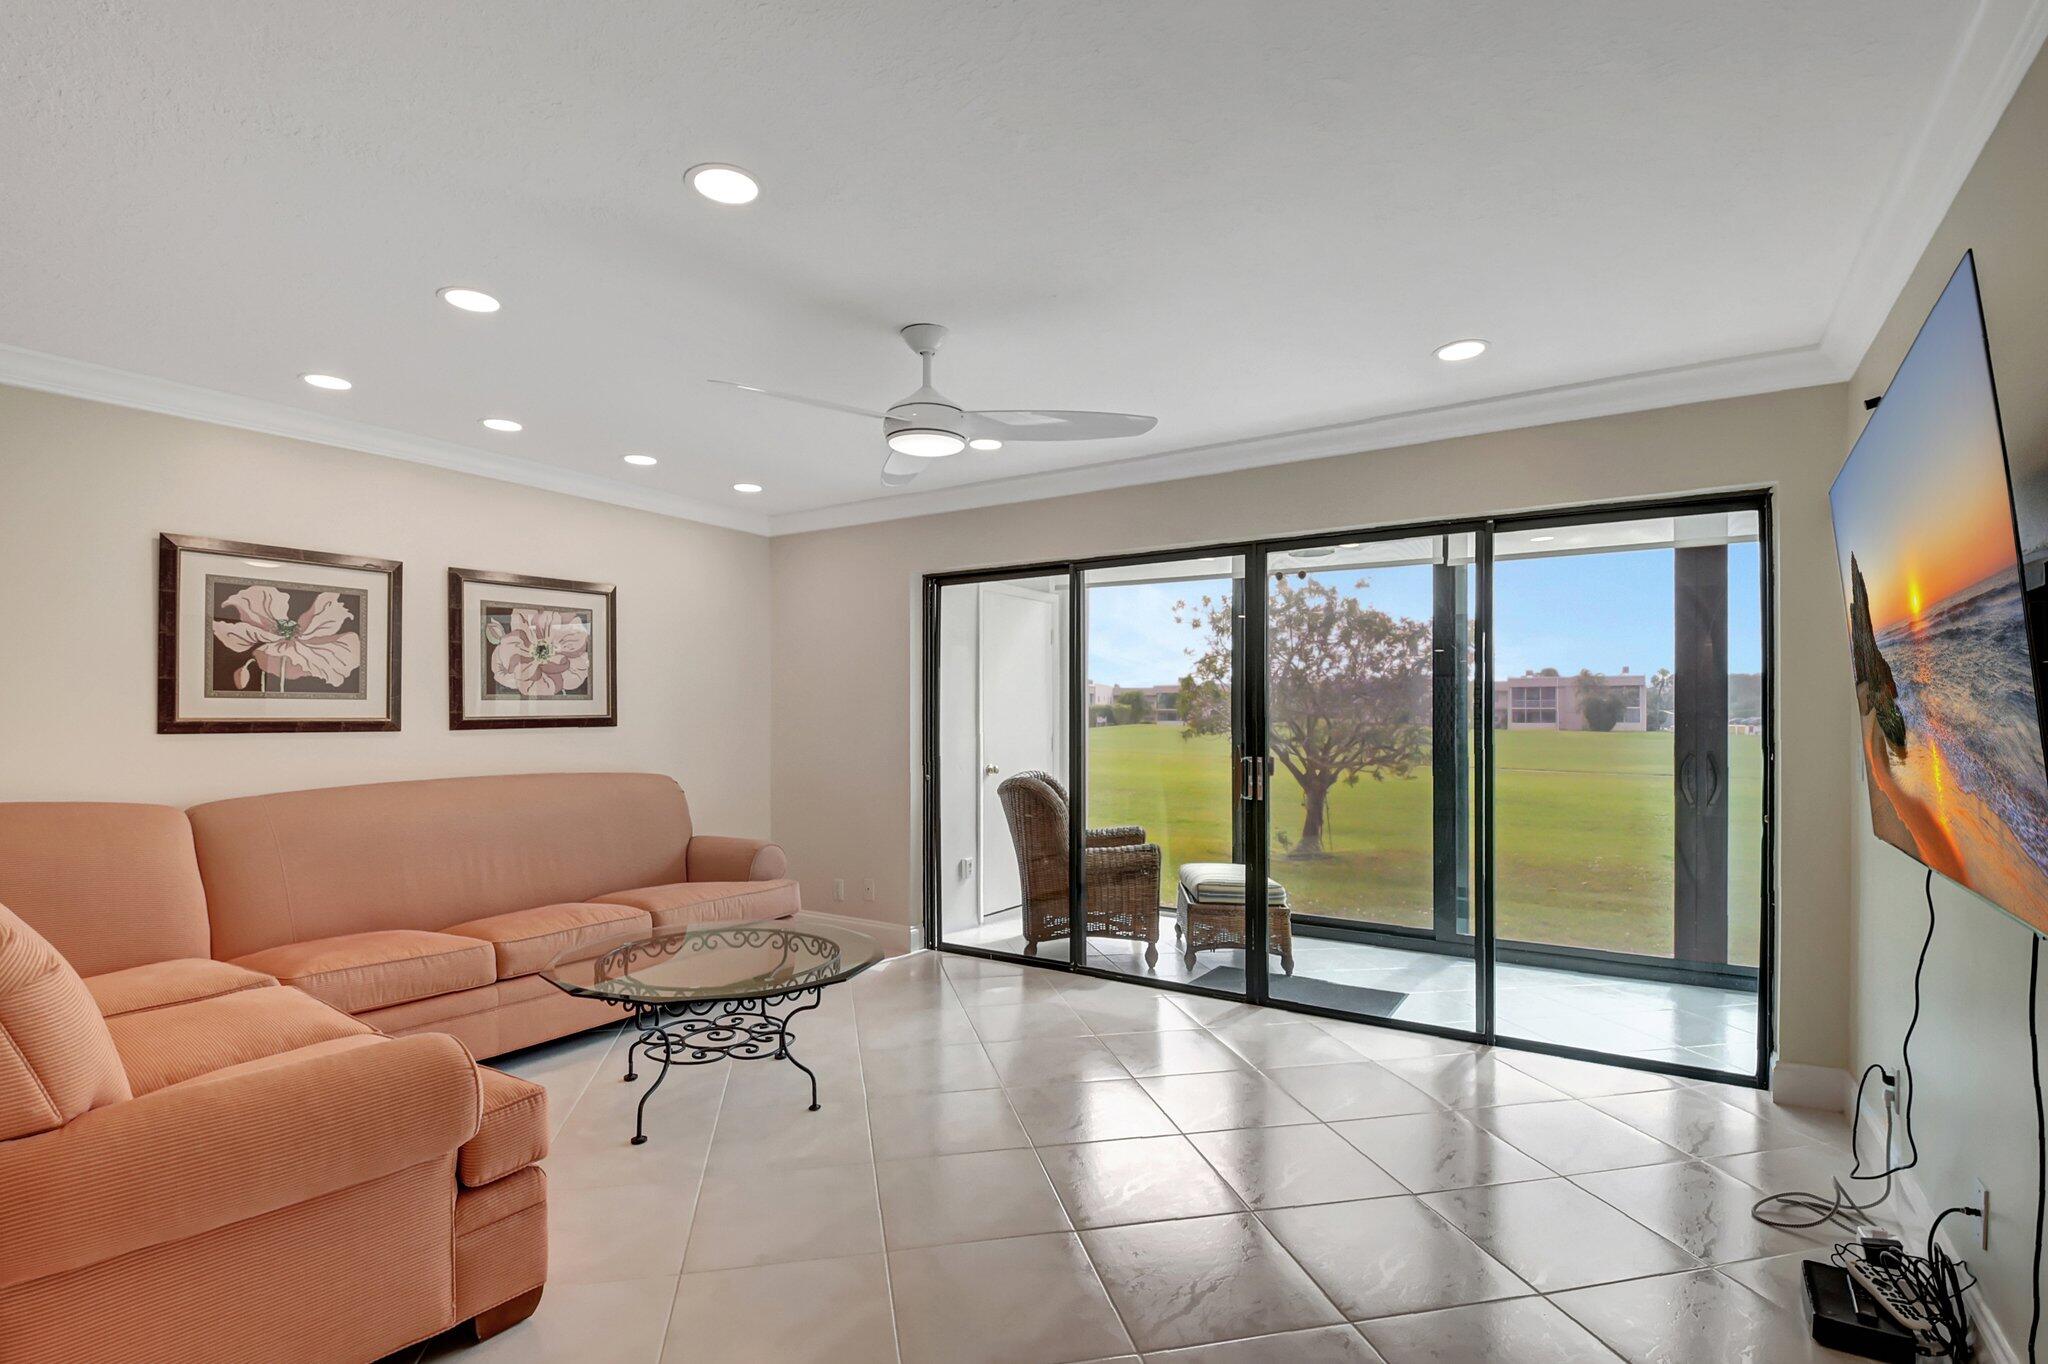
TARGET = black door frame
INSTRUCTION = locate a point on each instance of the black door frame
(1252, 810)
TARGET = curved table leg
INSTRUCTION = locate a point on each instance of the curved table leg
(640, 1110)
(783, 1053)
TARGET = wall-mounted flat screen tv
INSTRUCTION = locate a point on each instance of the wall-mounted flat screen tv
(1930, 560)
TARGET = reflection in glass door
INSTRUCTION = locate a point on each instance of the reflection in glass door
(1162, 645)
(1628, 786)
(1369, 689)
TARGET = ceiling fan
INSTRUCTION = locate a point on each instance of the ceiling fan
(927, 426)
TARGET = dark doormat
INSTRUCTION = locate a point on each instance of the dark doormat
(1324, 994)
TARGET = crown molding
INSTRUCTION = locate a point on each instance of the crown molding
(1997, 49)
(100, 383)
(1739, 377)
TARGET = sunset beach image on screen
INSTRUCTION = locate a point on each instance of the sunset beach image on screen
(1930, 565)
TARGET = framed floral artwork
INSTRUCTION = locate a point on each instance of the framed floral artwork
(530, 653)
(259, 639)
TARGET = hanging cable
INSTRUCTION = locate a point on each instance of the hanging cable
(2040, 1140)
(1814, 1210)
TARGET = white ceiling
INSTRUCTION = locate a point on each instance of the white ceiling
(1253, 219)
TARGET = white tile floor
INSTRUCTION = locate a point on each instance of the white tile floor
(1016, 1166)
(1692, 1025)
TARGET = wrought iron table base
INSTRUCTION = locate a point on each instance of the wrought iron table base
(699, 1032)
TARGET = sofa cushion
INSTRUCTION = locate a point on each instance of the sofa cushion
(514, 1134)
(359, 971)
(178, 1042)
(170, 982)
(57, 1059)
(425, 854)
(108, 885)
(703, 902)
(528, 939)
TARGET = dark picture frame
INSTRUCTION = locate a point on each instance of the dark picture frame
(503, 620)
(260, 648)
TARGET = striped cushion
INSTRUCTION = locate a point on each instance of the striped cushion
(1222, 883)
(57, 1059)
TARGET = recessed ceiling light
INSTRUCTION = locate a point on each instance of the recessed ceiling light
(469, 300)
(263, 563)
(723, 184)
(746, 487)
(502, 424)
(984, 444)
(332, 382)
(1461, 350)
(642, 460)
(926, 443)
(1541, 539)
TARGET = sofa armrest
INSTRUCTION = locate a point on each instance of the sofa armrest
(219, 1149)
(713, 858)
(1114, 836)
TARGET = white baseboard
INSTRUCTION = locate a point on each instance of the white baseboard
(1910, 1212)
(896, 939)
(1802, 1086)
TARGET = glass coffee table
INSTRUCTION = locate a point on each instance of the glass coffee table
(718, 992)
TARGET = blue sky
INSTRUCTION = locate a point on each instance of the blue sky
(1598, 611)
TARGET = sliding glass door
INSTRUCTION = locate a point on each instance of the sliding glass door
(1370, 678)
(1505, 779)
(1160, 760)
(1628, 786)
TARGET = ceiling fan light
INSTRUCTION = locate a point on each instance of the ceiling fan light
(922, 442)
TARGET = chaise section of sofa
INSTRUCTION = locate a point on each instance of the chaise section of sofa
(249, 1175)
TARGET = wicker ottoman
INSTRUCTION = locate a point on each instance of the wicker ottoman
(1210, 912)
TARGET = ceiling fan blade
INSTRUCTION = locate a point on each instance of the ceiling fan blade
(898, 470)
(799, 398)
(1025, 424)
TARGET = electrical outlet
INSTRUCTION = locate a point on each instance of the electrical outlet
(867, 889)
(839, 888)
(1983, 1221)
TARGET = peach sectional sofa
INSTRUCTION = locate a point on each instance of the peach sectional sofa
(240, 1114)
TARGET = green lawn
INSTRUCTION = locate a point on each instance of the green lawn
(1582, 854)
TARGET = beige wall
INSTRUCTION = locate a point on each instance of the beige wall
(1975, 1115)
(85, 489)
(846, 622)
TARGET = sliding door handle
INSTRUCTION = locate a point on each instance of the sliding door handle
(1688, 780)
(1713, 781)
(1251, 781)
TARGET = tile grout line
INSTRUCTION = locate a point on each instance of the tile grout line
(696, 1201)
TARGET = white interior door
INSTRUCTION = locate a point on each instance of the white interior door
(1022, 672)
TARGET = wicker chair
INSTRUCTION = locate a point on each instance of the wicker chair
(1120, 870)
